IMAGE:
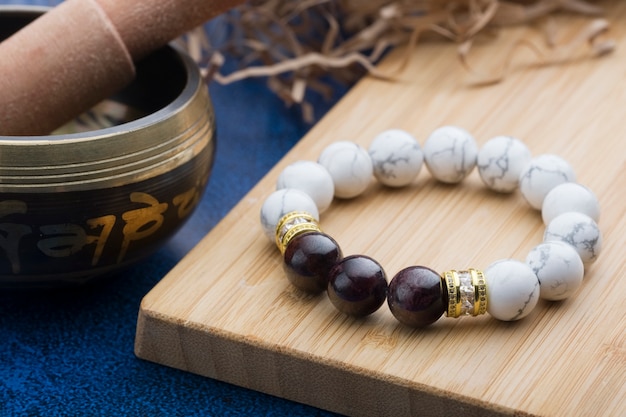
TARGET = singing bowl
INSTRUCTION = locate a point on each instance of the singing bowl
(82, 205)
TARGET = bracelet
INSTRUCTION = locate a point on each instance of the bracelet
(417, 296)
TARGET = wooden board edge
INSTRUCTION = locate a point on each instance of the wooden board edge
(274, 370)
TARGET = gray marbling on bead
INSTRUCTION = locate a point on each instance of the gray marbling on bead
(501, 161)
(310, 177)
(281, 202)
(579, 231)
(450, 154)
(397, 157)
(570, 196)
(349, 165)
(559, 269)
(512, 289)
(541, 175)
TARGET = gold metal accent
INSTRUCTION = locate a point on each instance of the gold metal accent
(480, 291)
(293, 224)
(451, 280)
(467, 292)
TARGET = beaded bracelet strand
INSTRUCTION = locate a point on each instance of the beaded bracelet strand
(417, 296)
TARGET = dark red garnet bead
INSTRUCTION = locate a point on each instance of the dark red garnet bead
(308, 259)
(357, 285)
(415, 296)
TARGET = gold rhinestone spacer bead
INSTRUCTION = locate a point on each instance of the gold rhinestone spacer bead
(467, 292)
(293, 224)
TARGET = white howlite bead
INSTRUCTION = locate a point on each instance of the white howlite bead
(541, 175)
(512, 289)
(310, 177)
(281, 202)
(559, 269)
(501, 161)
(350, 166)
(397, 157)
(450, 154)
(570, 196)
(579, 231)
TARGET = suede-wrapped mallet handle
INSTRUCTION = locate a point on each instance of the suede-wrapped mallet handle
(81, 52)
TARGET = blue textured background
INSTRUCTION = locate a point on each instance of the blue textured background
(70, 352)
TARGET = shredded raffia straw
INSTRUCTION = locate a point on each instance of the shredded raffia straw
(297, 45)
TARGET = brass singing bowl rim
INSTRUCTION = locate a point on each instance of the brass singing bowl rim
(133, 151)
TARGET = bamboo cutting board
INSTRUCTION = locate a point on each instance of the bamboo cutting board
(227, 311)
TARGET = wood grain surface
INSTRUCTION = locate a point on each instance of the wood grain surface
(227, 311)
